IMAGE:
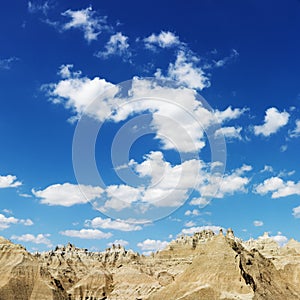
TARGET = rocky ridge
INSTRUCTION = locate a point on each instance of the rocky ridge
(202, 266)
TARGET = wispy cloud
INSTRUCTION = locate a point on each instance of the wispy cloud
(6, 63)
(38, 6)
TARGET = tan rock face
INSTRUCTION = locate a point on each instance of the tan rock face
(23, 278)
(202, 266)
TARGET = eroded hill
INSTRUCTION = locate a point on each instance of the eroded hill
(203, 266)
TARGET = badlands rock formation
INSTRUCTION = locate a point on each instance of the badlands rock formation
(203, 266)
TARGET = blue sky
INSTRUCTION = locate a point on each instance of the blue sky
(58, 59)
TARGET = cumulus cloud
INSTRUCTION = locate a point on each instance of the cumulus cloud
(67, 194)
(194, 212)
(172, 119)
(278, 187)
(66, 71)
(230, 132)
(229, 114)
(6, 222)
(9, 181)
(117, 45)
(30, 238)
(87, 234)
(192, 230)
(273, 121)
(258, 223)
(87, 21)
(219, 186)
(169, 185)
(165, 39)
(108, 223)
(77, 93)
(149, 245)
(27, 222)
(280, 239)
(296, 212)
(185, 71)
(127, 193)
(200, 201)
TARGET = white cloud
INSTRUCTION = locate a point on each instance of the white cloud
(192, 230)
(222, 62)
(229, 114)
(218, 186)
(68, 194)
(121, 196)
(30, 238)
(268, 169)
(200, 201)
(230, 132)
(118, 242)
(7, 211)
(65, 71)
(186, 72)
(108, 223)
(269, 185)
(27, 222)
(9, 181)
(87, 21)
(77, 93)
(190, 224)
(25, 195)
(87, 234)
(296, 131)
(165, 39)
(283, 148)
(34, 7)
(169, 185)
(179, 122)
(280, 239)
(296, 212)
(5, 222)
(152, 245)
(117, 45)
(285, 173)
(194, 212)
(273, 121)
(258, 223)
(6, 63)
(278, 187)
